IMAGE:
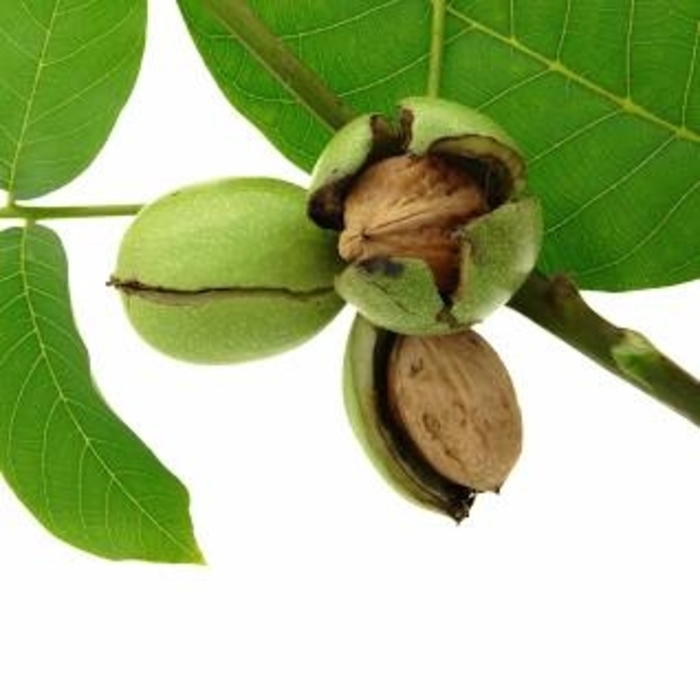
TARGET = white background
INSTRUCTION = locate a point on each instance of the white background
(578, 581)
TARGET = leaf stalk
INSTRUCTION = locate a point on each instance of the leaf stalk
(34, 213)
(437, 48)
(303, 83)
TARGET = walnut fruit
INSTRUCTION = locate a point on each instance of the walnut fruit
(433, 215)
(228, 271)
(437, 415)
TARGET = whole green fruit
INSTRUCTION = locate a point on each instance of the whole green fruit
(228, 271)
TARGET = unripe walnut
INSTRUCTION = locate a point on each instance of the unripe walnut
(228, 271)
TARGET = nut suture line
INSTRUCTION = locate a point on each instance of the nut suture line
(136, 288)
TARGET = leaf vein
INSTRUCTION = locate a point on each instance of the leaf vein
(629, 42)
(556, 66)
(43, 461)
(8, 278)
(57, 136)
(33, 17)
(511, 18)
(423, 58)
(564, 31)
(21, 50)
(14, 162)
(341, 22)
(126, 57)
(9, 462)
(62, 332)
(612, 187)
(573, 136)
(387, 78)
(10, 138)
(78, 8)
(15, 346)
(10, 303)
(651, 235)
(514, 87)
(95, 39)
(691, 78)
(80, 477)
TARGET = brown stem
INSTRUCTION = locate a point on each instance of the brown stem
(555, 304)
(281, 62)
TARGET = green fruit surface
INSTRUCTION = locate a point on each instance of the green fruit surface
(228, 271)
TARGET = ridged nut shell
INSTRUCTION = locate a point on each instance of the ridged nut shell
(453, 397)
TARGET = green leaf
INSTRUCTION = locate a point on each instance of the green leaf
(603, 96)
(71, 461)
(66, 69)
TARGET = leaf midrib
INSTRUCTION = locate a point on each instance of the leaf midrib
(30, 100)
(623, 104)
(65, 401)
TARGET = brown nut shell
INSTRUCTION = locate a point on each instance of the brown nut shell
(453, 397)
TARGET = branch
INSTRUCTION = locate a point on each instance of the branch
(555, 304)
(437, 48)
(17, 211)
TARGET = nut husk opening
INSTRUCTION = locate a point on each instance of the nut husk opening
(412, 207)
(455, 499)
